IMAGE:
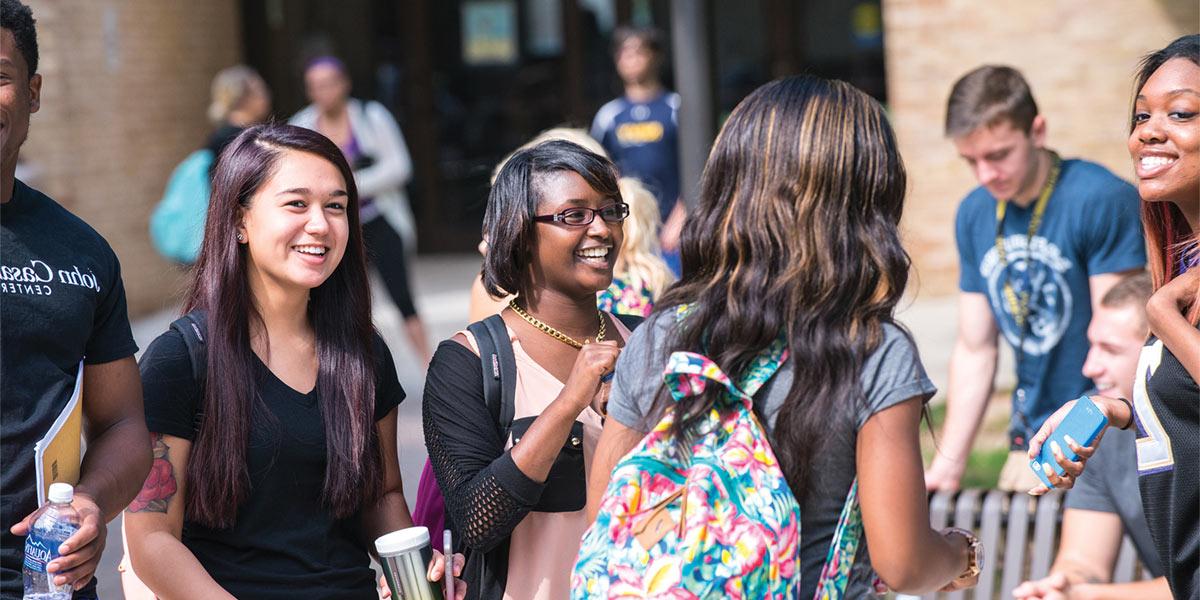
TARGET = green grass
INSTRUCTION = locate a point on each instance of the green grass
(987, 457)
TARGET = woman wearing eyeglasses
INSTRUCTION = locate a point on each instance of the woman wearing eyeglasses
(553, 223)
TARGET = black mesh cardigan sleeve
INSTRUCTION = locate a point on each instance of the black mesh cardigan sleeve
(486, 494)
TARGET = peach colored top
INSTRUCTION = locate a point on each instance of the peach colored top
(543, 546)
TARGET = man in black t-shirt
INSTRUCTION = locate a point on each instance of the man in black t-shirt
(62, 308)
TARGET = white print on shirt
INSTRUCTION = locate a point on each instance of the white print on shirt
(1050, 299)
(1154, 451)
(38, 278)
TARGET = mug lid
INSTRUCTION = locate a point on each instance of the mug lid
(404, 540)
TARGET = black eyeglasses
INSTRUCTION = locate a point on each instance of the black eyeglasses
(579, 216)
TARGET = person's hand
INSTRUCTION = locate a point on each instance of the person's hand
(1071, 469)
(1172, 299)
(964, 581)
(1055, 586)
(80, 554)
(437, 569)
(587, 379)
(944, 474)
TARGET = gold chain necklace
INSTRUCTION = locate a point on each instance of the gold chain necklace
(552, 332)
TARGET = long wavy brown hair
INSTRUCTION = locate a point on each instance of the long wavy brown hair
(795, 233)
(340, 312)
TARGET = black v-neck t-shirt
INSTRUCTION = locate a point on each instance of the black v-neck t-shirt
(285, 542)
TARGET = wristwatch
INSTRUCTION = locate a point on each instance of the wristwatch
(974, 555)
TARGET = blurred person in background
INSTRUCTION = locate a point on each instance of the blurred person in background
(275, 464)
(64, 310)
(1105, 505)
(1039, 243)
(374, 146)
(640, 275)
(1164, 143)
(640, 130)
(240, 99)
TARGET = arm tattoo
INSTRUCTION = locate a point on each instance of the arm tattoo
(160, 484)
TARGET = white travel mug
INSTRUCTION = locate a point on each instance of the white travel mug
(405, 556)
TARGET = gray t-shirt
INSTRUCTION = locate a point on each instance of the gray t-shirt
(891, 374)
(1110, 484)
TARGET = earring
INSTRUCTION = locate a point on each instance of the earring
(241, 238)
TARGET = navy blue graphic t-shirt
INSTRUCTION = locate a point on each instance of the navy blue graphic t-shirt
(1090, 227)
(61, 301)
(642, 138)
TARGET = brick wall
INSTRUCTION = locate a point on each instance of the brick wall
(1078, 56)
(123, 100)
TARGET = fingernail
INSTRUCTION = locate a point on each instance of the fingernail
(1055, 448)
(1046, 468)
(63, 549)
(1070, 440)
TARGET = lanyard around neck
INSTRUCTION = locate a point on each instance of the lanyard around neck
(1018, 305)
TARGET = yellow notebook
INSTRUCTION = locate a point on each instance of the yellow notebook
(58, 454)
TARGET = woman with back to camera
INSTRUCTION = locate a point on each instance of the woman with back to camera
(795, 233)
(374, 146)
(276, 469)
(1164, 143)
(553, 222)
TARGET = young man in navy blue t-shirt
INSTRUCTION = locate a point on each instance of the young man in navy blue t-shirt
(640, 130)
(1039, 241)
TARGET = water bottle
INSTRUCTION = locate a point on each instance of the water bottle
(52, 525)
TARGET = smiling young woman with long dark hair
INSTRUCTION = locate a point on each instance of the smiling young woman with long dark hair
(795, 234)
(276, 469)
(1164, 143)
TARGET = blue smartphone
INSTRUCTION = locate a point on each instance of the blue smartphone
(1083, 423)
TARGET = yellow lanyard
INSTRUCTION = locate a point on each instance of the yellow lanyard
(1019, 305)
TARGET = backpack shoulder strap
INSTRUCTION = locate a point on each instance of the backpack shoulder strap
(193, 327)
(630, 322)
(499, 370)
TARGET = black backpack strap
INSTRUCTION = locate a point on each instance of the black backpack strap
(499, 370)
(630, 322)
(192, 327)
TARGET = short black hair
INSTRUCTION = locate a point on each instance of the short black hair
(512, 204)
(18, 18)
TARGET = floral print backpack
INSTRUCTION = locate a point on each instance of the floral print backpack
(719, 523)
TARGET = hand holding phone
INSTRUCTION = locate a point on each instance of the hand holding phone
(1082, 424)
